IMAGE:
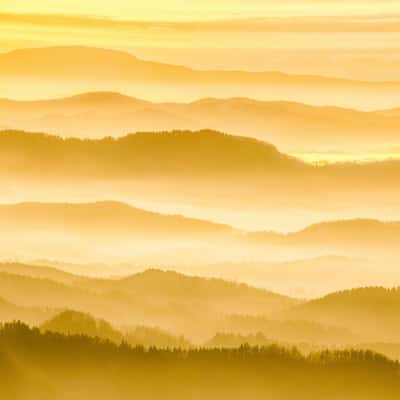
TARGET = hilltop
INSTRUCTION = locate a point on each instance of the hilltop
(174, 154)
(293, 127)
(85, 68)
(371, 312)
(152, 298)
(107, 218)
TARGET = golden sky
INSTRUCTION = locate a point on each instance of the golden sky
(124, 24)
(195, 9)
(202, 34)
(21, 30)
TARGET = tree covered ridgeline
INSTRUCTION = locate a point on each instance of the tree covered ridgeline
(55, 366)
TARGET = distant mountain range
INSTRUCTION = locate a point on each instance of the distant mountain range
(43, 272)
(55, 230)
(204, 167)
(152, 298)
(356, 232)
(107, 219)
(114, 218)
(301, 278)
(167, 300)
(371, 312)
(174, 154)
(30, 315)
(79, 69)
(204, 174)
(291, 126)
(308, 277)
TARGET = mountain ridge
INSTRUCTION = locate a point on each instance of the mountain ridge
(293, 126)
(123, 57)
(103, 217)
(88, 67)
(156, 152)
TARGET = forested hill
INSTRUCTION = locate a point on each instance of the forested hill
(49, 366)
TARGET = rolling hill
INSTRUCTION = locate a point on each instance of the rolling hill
(107, 232)
(151, 298)
(113, 232)
(309, 277)
(292, 331)
(175, 288)
(152, 155)
(30, 315)
(205, 174)
(176, 154)
(71, 322)
(39, 271)
(76, 323)
(354, 233)
(46, 72)
(166, 299)
(108, 370)
(202, 154)
(108, 219)
(375, 241)
(371, 312)
(293, 127)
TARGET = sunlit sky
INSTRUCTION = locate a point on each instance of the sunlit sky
(195, 9)
(202, 33)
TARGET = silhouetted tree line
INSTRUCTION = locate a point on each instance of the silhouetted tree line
(55, 366)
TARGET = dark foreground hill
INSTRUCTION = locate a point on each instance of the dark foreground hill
(53, 366)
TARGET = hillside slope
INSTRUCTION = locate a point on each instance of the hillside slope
(291, 126)
(69, 70)
(371, 312)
